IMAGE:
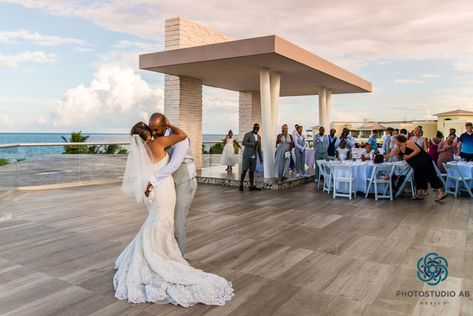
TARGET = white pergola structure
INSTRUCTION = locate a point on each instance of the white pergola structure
(268, 67)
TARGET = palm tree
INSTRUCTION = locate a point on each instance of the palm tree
(76, 137)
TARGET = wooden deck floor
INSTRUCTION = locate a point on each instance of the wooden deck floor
(294, 252)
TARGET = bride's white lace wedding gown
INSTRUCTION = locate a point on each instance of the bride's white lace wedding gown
(152, 269)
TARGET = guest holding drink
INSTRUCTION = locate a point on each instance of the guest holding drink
(301, 145)
(466, 143)
(421, 163)
(284, 145)
(446, 150)
(228, 153)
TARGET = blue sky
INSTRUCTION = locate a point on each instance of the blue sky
(68, 65)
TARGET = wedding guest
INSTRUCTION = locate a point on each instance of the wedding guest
(343, 153)
(373, 141)
(332, 144)
(252, 151)
(349, 140)
(300, 144)
(465, 142)
(228, 153)
(292, 164)
(421, 163)
(446, 150)
(453, 131)
(284, 145)
(368, 153)
(419, 139)
(387, 140)
(403, 131)
(434, 144)
(320, 148)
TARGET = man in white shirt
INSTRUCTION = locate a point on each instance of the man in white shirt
(387, 140)
(182, 168)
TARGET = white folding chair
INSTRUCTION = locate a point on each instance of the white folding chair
(319, 165)
(442, 176)
(327, 175)
(378, 177)
(456, 177)
(409, 178)
(343, 174)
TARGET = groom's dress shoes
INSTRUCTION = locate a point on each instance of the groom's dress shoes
(240, 188)
(253, 188)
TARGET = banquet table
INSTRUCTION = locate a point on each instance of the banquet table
(362, 171)
(466, 169)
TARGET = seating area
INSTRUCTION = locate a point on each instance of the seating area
(386, 180)
(345, 179)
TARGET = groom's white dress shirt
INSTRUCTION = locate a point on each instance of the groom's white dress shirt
(181, 151)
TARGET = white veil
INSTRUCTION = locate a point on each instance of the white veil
(137, 170)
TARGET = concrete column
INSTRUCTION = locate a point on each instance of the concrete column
(249, 111)
(329, 109)
(323, 107)
(266, 124)
(182, 95)
(183, 106)
(275, 79)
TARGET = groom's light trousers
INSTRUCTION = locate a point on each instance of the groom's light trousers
(184, 195)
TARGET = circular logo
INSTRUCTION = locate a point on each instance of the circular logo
(432, 268)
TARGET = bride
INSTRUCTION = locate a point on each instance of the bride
(151, 268)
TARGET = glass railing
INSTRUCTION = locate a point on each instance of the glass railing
(23, 165)
(35, 164)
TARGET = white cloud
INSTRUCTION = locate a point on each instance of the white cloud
(41, 119)
(117, 97)
(352, 33)
(140, 46)
(37, 38)
(429, 76)
(409, 81)
(79, 49)
(6, 120)
(35, 57)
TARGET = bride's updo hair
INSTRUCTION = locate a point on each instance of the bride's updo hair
(142, 130)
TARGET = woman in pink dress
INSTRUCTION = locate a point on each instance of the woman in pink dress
(447, 148)
(433, 146)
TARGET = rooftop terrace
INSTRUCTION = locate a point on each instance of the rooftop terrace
(293, 252)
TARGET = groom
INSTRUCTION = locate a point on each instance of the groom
(181, 167)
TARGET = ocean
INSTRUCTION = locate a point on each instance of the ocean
(29, 152)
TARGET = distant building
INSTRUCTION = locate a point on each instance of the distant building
(446, 120)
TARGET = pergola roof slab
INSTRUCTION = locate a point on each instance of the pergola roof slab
(235, 65)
